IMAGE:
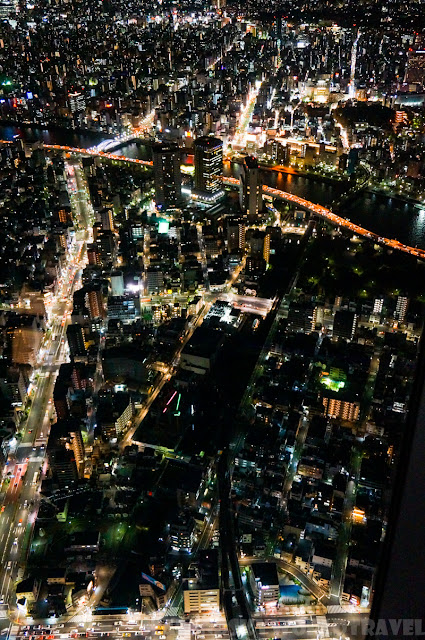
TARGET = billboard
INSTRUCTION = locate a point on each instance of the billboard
(153, 581)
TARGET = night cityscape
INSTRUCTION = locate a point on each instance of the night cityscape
(212, 301)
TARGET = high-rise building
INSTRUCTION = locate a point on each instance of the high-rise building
(76, 343)
(235, 234)
(208, 170)
(378, 304)
(259, 243)
(77, 102)
(250, 187)
(302, 317)
(401, 308)
(167, 175)
(201, 591)
(8, 8)
(415, 69)
(345, 323)
(154, 280)
(105, 244)
(94, 302)
(64, 468)
(76, 445)
(93, 255)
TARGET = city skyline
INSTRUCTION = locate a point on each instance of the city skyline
(211, 317)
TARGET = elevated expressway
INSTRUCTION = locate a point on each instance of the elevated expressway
(311, 207)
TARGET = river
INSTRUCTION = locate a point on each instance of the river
(385, 216)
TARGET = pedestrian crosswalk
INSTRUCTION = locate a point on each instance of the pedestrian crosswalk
(173, 610)
(336, 608)
(13, 632)
(322, 627)
(184, 632)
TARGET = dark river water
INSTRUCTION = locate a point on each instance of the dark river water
(388, 217)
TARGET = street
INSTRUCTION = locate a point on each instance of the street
(23, 472)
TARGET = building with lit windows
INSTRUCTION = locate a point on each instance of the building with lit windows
(94, 302)
(76, 445)
(264, 583)
(201, 589)
(167, 175)
(77, 102)
(235, 235)
(8, 8)
(125, 416)
(345, 323)
(259, 244)
(76, 342)
(208, 170)
(401, 308)
(415, 70)
(250, 187)
(345, 409)
(182, 533)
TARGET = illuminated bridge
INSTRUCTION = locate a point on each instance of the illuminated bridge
(96, 152)
(315, 209)
(318, 210)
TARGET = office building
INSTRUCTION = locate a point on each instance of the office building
(77, 102)
(167, 176)
(264, 583)
(345, 323)
(250, 187)
(105, 244)
(76, 343)
(415, 69)
(208, 170)
(235, 235)
(64, 468)
(200, 352)
(125, 308)
(182, 533)
(154, 282)
(302, 317)
(201, 593)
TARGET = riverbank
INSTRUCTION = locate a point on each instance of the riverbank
(18, 128)
(311, 175)
(419, 204)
